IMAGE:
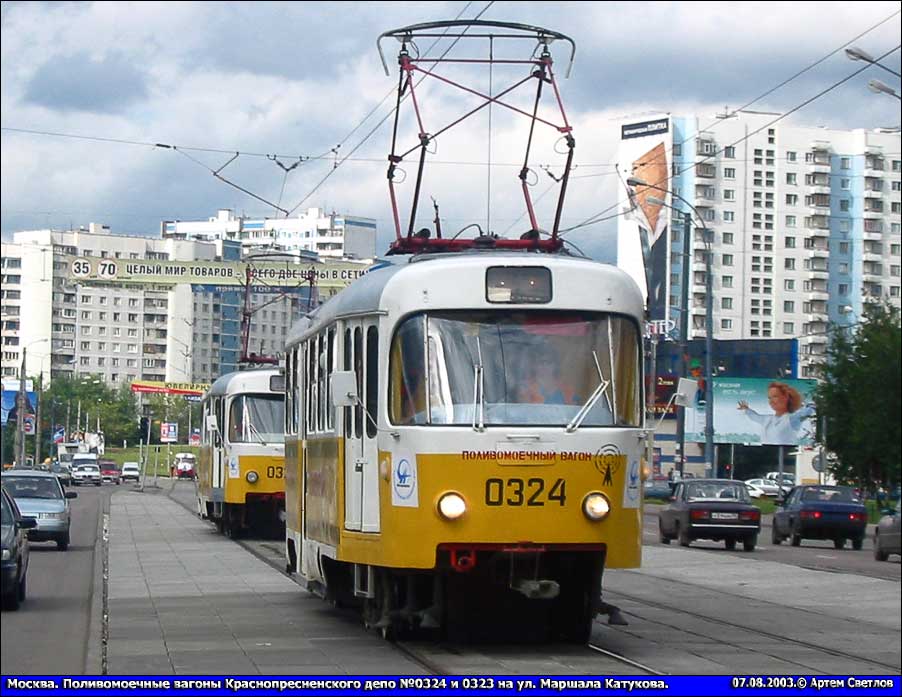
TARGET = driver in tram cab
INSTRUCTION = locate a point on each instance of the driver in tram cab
(544, 384)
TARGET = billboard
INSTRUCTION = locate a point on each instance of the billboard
(328, 274)
(642, 234)
(169, 432)
(756, 411)
(187, 389)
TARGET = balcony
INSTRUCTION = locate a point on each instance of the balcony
(817, 252)
(817, 295)
(868, 236)
(818, 222)
(817, 274)
(706, 170)
(870, 214)
(820, 188)
(814, 339)
(871, 256)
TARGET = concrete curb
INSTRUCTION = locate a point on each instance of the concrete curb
(94, 660)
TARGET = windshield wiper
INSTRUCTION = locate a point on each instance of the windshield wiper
(593, 398)
(251, 429)
(478, 391)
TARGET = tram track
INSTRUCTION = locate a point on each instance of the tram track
(429, 655)
(744, 629)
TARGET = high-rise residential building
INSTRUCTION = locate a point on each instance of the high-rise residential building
(126, 308)
(805, 224)
(313, 230)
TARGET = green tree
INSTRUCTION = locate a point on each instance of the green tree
(860, 398)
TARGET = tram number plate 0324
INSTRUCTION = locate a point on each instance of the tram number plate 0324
(525, 492)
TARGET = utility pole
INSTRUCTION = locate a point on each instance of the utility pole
(22, 401)
(684, 337)
(710, 463)
(37, 427)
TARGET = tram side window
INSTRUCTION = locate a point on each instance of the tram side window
(311, 386)
(372, 379)
(219, 410)
(297, 387)
(289, 392)
(330, 367)
(358, 370)
(347, 366)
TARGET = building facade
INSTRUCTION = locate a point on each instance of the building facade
(126, 308)
(314, 230)
(805, 224)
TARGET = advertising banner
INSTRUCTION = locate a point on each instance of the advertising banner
(664, 388)
(328, 274)
(178, 388)
(169, 432)
(756, 411)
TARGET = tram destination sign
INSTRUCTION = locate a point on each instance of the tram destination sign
(329, 274)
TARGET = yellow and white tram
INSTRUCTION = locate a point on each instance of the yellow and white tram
(464, 432)
(240, 483)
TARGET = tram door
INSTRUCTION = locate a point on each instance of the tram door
(361, 479)
(218, 481)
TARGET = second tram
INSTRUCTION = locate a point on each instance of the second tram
(240, 482)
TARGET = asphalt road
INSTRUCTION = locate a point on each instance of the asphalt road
(812, 554)
(49, 633)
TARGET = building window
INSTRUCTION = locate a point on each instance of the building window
(843, 288)
(728, 238)
(729, 216)
(789, 306)
(729, 195)
(792, 199)
(843, 247)
(726, 281)
(844, 205)
(727, 260)
(789, 264)
(726, 303)
(791, 156)
(789, 284)
(729, 152)
(726, 324)
(791, 178)
(790, 221)
(845, 163)
(845, 184)
(729, 172)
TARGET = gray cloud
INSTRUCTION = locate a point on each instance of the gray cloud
(80, 83)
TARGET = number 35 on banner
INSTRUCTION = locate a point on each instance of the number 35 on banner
(107, 269)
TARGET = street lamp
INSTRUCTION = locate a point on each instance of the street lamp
(878, 87)
(709, 317)
(856, 54)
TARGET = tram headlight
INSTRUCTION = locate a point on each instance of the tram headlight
(596, 506)
(252, 477)
(452, 505)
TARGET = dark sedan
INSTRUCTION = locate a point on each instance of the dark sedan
(710, 509)
(15, 552)
(816, 512)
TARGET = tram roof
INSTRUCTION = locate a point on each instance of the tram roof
(253, 380)
(365, 295)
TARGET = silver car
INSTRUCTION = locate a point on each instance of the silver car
(886, 535)
(40, 495)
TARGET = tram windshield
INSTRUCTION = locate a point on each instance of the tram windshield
(256, 418)
(503, 368)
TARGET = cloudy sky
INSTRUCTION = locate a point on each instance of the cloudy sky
(296, 80)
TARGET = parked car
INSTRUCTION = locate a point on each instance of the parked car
(40, 495)
(710, 509)
(87, 474)
(768, 486)
(110, 472)
(14, 548)
(657, 487)
(818, 512)
(886, 535)
(63, 473)
(131, 470)
(754, 491)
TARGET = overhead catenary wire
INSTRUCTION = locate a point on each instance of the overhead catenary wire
(382, 121)
(592, 220)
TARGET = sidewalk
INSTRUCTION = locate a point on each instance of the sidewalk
(184, 600)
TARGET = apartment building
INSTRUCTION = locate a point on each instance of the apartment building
(313, 230)
(804, 223)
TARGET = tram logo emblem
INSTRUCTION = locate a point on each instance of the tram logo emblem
(405, 479)
(632, 484)
(608, 461)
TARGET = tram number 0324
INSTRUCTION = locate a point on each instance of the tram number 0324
(524, 492)
(275, 472)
